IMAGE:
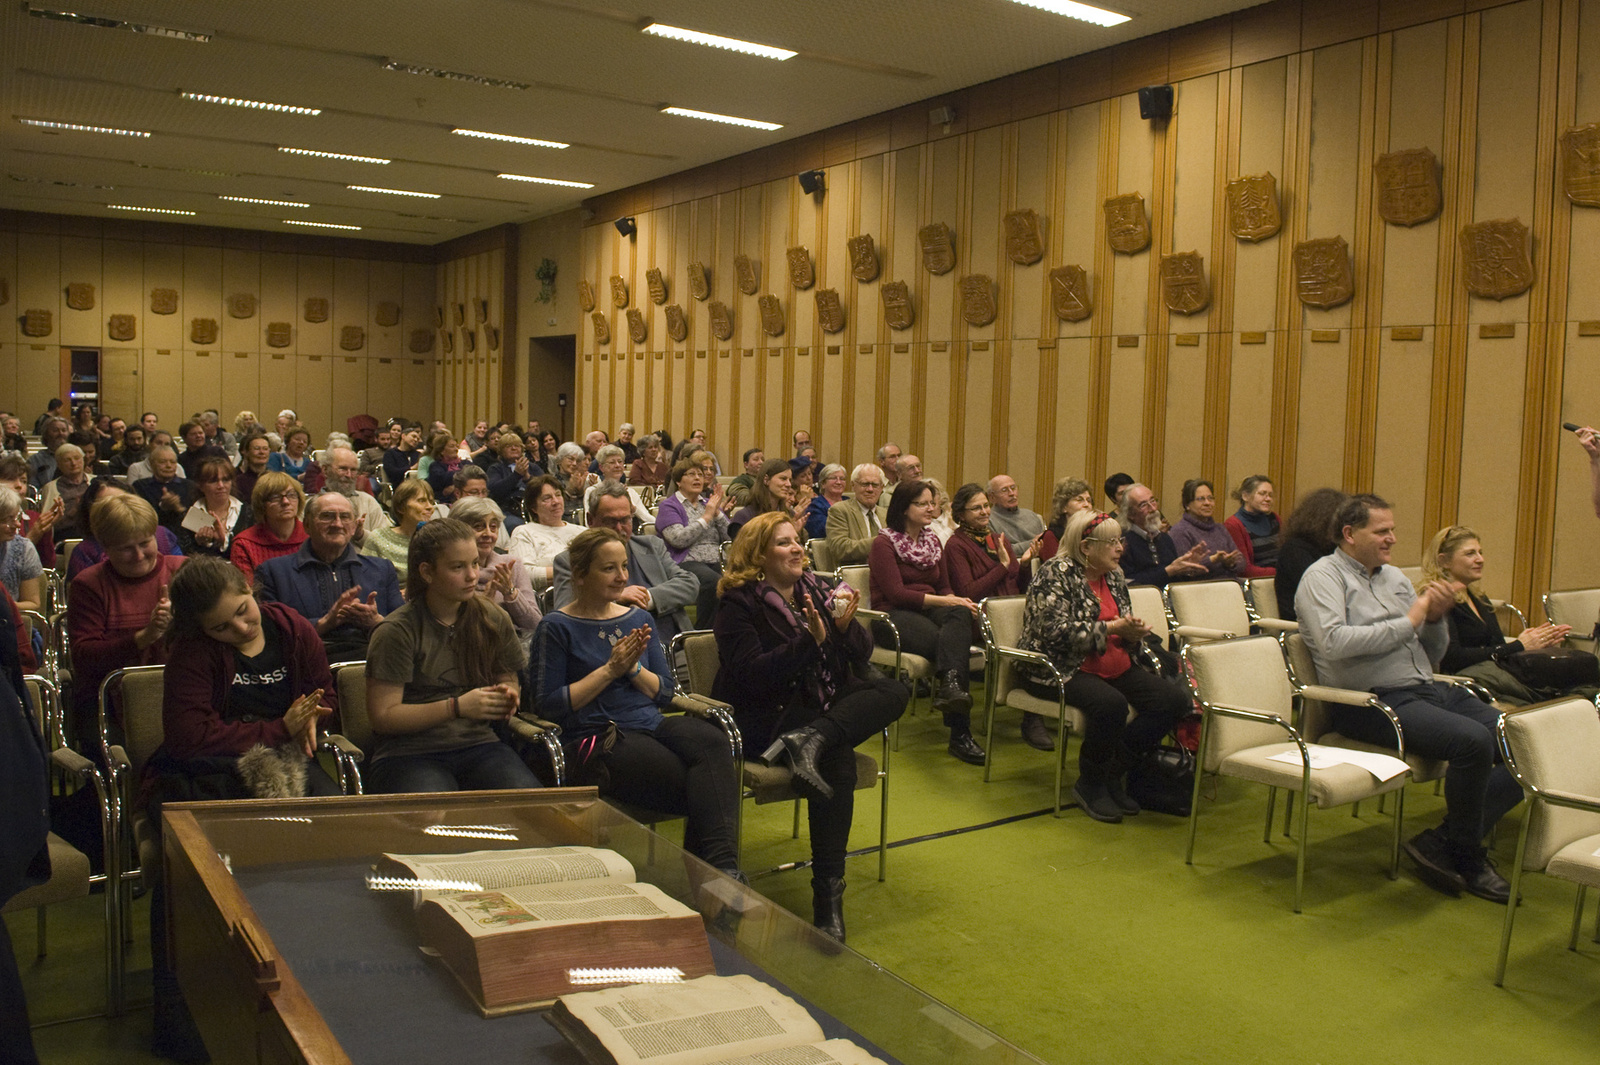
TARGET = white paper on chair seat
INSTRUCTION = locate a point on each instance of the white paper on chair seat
(1382, 766)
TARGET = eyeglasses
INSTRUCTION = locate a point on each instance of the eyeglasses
(284, 497)
(869, 484)
(978, 506)
(333, 518)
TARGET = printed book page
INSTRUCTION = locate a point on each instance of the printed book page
(1381, 766)
(487, 913)
(492, 870)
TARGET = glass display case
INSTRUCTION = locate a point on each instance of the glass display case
(286, 955)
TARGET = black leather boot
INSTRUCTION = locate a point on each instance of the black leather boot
(950, 695)
(827, 905)
(802, 747)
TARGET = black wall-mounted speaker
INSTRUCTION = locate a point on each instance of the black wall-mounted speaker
(1155, 102)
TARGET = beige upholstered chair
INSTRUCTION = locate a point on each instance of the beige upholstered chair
(1578, 607)
(903, 664)
(823, 558)
(1149, 607)
(1215, 610)
(1554, 750)
(1248, 708)
(1002, 628)
(1263, 597)
(763, 783)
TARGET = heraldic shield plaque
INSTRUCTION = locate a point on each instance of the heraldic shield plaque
(677, 323)
(830, 312)
(1253, 207)
(1127, 228)
(1580, 164)
(745, 276)
(421, 341)
(242, 305)
(977, 299)
(1497, 257)
(203, 331)
(771, 314)
(602, 328)
(278, 334)
(1183, 282)
(721, 320)
(37, 322)
(863, 258)
(122, 327)
(316, 309)
(1322, 273)
(1408, 186)
(585, 296)
(352, 338)
(938, 248)
(163, 301)
(1069, 293)
(636, 328)
(80, 296)
(619, 291)
(896, 297)
(447, 340)
(699, 286)
(1024, 239)
(387, 314)
(656, 285)
(801, 274)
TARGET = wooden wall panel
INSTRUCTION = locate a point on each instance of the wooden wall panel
(81, 261)
(241, 273)
(202, 384)
(314, 390)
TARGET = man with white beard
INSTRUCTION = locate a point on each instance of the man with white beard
(340, 474)
(1148, 555)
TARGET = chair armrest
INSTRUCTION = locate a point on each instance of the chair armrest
(537, 730)
(1033, 658)
(719, 714)
(120, 762)
(1465, 682)
(1277, 625)
(341, 745)
(1569, 800)
(1196, 632)
(1256, 715)
(73, 762)
(1342, 696)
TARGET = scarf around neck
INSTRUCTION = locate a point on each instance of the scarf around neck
(924, 551)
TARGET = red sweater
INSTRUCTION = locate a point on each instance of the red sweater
(104, 611)
(199, 680)
(975, 574)
(898, 585)
(258, 544)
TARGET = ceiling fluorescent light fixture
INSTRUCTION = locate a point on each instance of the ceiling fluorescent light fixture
(711, 40)
(1082, 12)
(535, 141)
(452, 75)
(319, 225)
(268, 203)
(259, 105)
(335, 155)
(547, 181)
(149, 210)
(77, 128)
(196, 36)
(731, 120)
(393, 192)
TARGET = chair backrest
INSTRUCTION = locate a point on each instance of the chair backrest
(46, 709)
(1003, 628)
(1148, 607)
(859, 578)
(351, 680)
(1210, 605)
(1411, 573)
(1249, 674)
(822, 555)
(1578, 607)
(137, 690)
(1555, 747)
(64, 554)
(1303, 671)
(700, 649)
(1264, 596)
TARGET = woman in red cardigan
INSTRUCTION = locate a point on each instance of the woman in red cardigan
(277, 501)
(911, 583)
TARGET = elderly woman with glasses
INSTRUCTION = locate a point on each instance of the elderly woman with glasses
(216, 516)
(1078, 614)
(1070, 495)
(276, 502)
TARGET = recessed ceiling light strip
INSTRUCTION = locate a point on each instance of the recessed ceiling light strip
(1082, 12)
(149, 210)
(535, 141)
(75, 127)
(712, 40)
(196, 36)
(452, 75)
(268, 203)
(731, 120)
(318, 225)
(335, 155)
(259, 105)
(547, 181)
(393, 192)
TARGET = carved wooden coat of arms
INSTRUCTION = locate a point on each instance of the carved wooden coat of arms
(602, 328)
(387, 314)
(278, 334)
(421, 341)
(316, 308)
(163, 301)
(656, 285)
(1069, 293)
(801, 275)
(745, 275)
(1580, 164)
(469, 341)
(242, 305)
(460, 311)
(585, 296)
(37, 322)
(771, 314)
(1253, 207)
(830, 312)
(1127, 227)
(1322, 272)
(619, 291)
(938, 248)
(480, 311)
(977, 299)
(721, 320)
(1408, 186)
(677, 323)
(863, 257)
(202, 331)
(80, 296)
(699, 287)
(1024, 238)
(1183, 282)
(447, 341)
(896, 296)
(438, 317)
(352, 338)
(636, 328)
(1498, 258)
(122, 327)
(491, 336)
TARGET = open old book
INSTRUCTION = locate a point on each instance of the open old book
(513, 925)
(715, 1020)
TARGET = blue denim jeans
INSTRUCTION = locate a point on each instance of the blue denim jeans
(482, 767)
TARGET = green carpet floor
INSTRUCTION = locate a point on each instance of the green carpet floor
(1087, 943)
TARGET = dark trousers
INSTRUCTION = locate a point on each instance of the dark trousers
(861, 710)
(705, 607)
(1112, 743)
(481, 767)
(16, 1038)
(942, 635)
(1445, 721)
(684, 767)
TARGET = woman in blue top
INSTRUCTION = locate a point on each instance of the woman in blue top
(295, 458)
(603, 677)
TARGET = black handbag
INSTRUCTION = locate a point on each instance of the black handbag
(1554, 668)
